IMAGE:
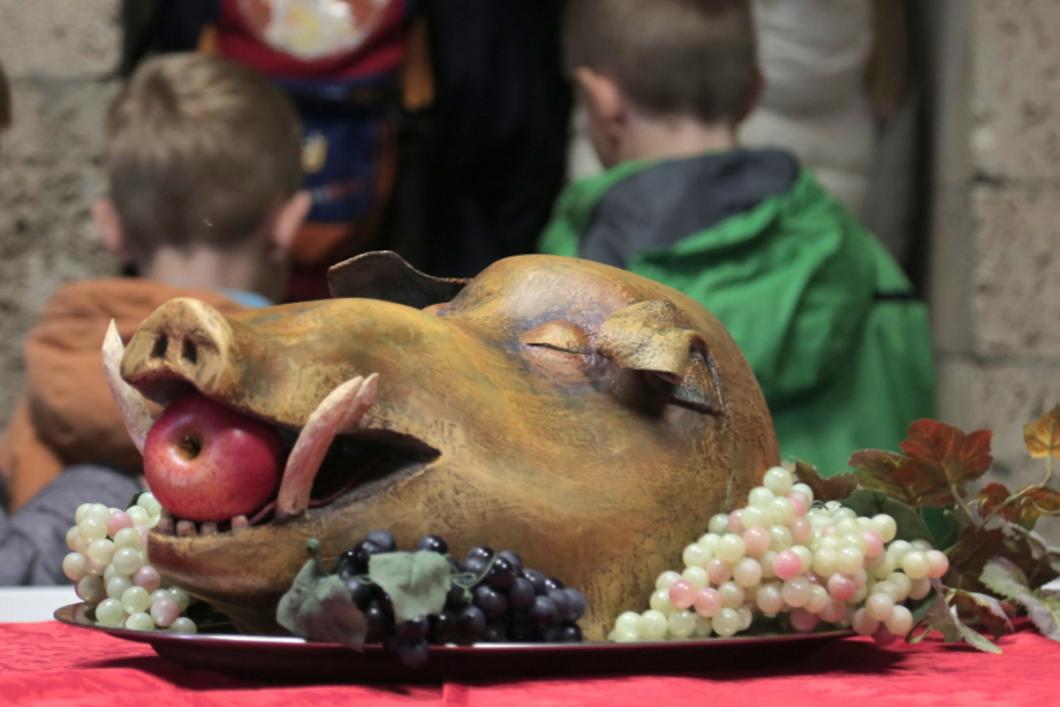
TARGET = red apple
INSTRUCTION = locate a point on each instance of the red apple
(204, 461)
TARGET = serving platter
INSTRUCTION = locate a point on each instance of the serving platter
(277, 658)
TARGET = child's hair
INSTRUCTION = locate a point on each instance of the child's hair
(671, 57)
(5, 101)
(199, 150)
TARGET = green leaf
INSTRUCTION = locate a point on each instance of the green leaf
(940, 618)
(977, 640)
(417, 582)
(1002, 577)
(869, 503)
(318, 607)
(1043, 607)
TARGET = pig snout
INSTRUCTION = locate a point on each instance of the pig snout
(184, 339)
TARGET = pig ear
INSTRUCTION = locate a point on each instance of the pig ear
(385, 275)
(652, 338)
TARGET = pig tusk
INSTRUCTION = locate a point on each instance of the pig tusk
(341, 410)
(132, 406)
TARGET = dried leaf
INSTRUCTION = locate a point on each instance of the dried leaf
(869, 503)
(417, 582)
(875, 470)
(940, 459)
(1043, 435)
(833, 488)
(1044, 500)
(991, 497)
(319, 607)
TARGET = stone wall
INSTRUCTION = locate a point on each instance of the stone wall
(995, 269)
(59, 57)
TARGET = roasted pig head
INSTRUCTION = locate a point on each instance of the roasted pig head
(588, 418)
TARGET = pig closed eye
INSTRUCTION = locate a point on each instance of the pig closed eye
(558, 335)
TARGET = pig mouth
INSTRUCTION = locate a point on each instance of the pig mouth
(331, 460)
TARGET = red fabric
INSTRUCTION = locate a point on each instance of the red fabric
(383, 52)
(50, 663)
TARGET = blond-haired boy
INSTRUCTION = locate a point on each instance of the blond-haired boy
(203, 169)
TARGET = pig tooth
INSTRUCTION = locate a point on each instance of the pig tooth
(165, 525)
(341, 410)
(133, 406)
(186, 529)
(208, 528)
(240, 522)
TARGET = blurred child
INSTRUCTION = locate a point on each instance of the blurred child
(203, 162)
(838, 340)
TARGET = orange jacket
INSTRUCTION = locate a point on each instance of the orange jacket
(66, 414)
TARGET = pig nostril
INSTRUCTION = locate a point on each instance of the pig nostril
(188, 352)
(161, 344)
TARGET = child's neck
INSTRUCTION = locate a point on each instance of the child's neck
(209, 269)
(648, 137)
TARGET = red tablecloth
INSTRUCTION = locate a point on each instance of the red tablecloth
(50, 663)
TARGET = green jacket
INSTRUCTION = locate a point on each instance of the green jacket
(827, 320)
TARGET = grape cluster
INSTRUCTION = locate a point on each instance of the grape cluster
(492, 598)
(109, 566)
(783, 557)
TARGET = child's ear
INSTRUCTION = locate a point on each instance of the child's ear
(602, 95)
(108, 224)
(289, 219)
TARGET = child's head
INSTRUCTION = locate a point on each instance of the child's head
(203, 160)
(664, 64)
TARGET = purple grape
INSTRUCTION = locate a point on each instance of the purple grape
(470, 623)
(578, 604)
(379, 624)
(571, 633)
(384, 539)
(523, 630)
(501, 574)
(543, 611)
(562, 601)
(457, 597)
(360, 592)
(492, 602)
(482, 552)
(536, 579)
(443, 627)
(476, 565)
(414, 655)
(360, 555)
(496, 632)
(412, 630)
(553, 583)
(521, 593)
(433, 543)
(514, 559)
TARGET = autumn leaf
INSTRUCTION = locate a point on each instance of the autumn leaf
(875, 470)
(940, 459)
(833, 488)
(1044, 500)
(1043, 435)
(993, 496)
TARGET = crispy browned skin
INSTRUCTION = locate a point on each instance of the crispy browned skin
(550, 388)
